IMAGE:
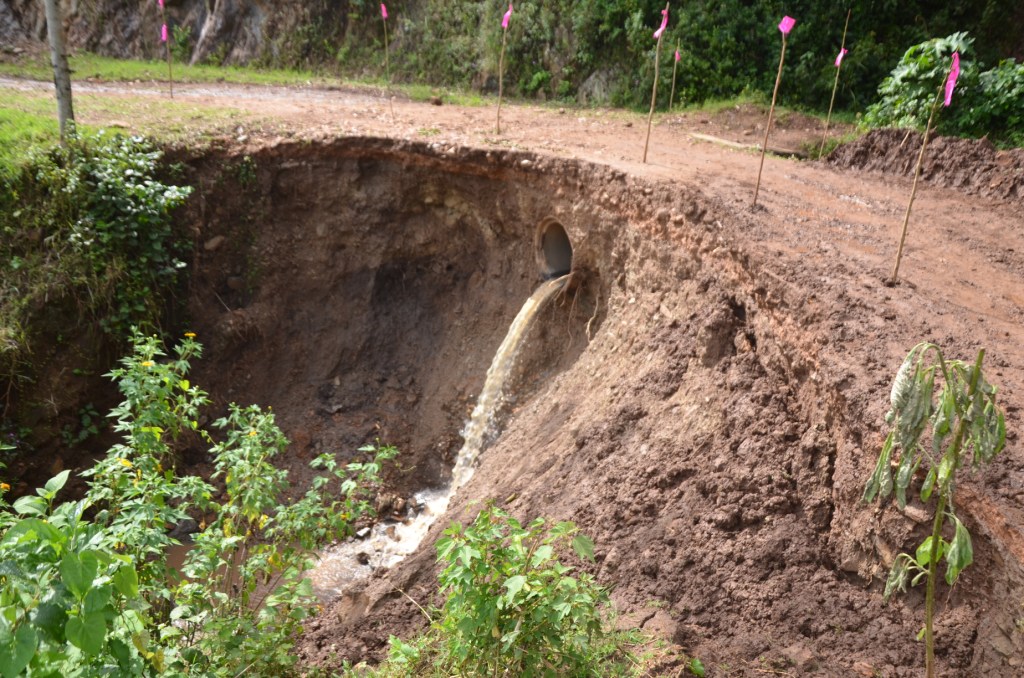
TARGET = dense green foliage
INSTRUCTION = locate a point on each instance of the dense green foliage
(86, 227)
(512, 608)
(602, 50)
(985, 103)
(85, 586)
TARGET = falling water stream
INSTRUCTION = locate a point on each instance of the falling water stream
(387, 543)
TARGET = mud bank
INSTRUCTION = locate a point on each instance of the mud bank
(708, 420)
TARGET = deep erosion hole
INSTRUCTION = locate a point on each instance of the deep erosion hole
(668, 401)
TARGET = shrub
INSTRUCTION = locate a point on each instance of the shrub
(513, 608)
(986, 103)
(86, 596)
(88, 223)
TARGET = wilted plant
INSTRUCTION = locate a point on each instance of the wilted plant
(965, 427)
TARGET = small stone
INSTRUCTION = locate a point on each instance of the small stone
(363, 557)
(435, 101)
(363, 533)
(800, 657)
(864, 669)
(662, 626)
(214, 243)
(525, 163)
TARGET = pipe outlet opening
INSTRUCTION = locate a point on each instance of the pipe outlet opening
(554, 250)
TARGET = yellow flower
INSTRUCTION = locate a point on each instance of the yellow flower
(252, 433)
(4, 487)
(148, 363)
(125, 463)
(190, 335)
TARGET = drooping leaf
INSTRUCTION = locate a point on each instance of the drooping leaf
(928, 485)
(902, 385)
(924, 552)
(960, 553)
(908, 466)
(897, 580)
(877, 480)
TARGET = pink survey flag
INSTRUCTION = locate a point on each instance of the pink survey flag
(954, 73)
(161, 3)
(383, 10)
(677, 55)
(163, 33)
(786, 25)
(508, 15)
(664, 23)
(839, 59)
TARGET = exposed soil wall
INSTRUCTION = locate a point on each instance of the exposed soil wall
(708, 420)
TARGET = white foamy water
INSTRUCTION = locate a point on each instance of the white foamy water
(355, 560)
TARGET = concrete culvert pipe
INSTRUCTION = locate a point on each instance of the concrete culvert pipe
(554, 251)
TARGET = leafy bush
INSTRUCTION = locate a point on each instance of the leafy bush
(513, 608)
(86, 596)
(986, 103)
(88, 224)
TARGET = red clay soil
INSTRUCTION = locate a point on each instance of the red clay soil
(705, 401)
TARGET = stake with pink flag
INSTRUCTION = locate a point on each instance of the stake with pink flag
(167, 46)
(501, 64)
(387, 63)
(945, 96)
(675, 69)
(835, 85)
(785, 26)
(658, 34)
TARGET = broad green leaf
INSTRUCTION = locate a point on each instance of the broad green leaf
(78, 571)
(97, 598)
(902, 385)
(126, 581)
(514, 586)
(54, 484)
(17, 651)
(30, 506)
(584, 547)
(542, 555)
(87, 633)
(960, 554)
(696, 667)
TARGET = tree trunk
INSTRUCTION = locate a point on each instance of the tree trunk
(61, 72)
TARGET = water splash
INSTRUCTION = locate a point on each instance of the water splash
(481, 422)
(388, 543)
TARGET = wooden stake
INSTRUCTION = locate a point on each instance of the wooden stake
(501, 77)
(167, 49)
(913, 190)
(654, 91)
(675, 68)
(771, 112)
(835, 85)
(387, 67)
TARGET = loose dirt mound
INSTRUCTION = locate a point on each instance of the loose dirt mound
(973, 166)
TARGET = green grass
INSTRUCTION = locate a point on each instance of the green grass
(85, 65)
(29, 120)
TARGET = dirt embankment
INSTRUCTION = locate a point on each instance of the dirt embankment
(973, 166)
(703, 404)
